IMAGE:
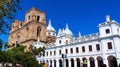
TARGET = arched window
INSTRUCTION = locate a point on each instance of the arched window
(38, 18)
(54, 52)
(28, 17)
(77, 50)
(18, 39)
(38, 31)
(66, 51)
(83, 48)
(90, 47)
(20, 24)
(66, 41)
(71, 50)
(27, 28)
(59, 41)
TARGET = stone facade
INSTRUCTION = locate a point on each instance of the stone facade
(29, 31)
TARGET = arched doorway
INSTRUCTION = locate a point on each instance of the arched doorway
(78, 62)
(60, 63)
(84, 62)
(51, 63)
(54, 63)
(92, 63)
(112, 61)
(67, 63)
(72, 62)
(100, 61)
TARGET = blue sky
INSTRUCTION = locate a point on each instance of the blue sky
(81, 15)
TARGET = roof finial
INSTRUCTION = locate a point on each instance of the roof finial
(107, 18)
(79, 34)
(49, 22)
(67, 26)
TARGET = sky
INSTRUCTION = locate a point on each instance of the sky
(81, 15)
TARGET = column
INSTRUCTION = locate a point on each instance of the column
(106, 62)
(53, 63)
(69, 62)
(88, 62)
(118, 61)
(57, 63)
(96, 63)
(81, 62)
(75, 63)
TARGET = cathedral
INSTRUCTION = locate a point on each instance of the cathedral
(32, 29)
(101, 49)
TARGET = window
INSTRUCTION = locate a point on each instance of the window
(38, 31)
(47, 54)
(38, 17)
(54, 52)
(59, 41)
(107, 31)
(60, 52)
(27, 28)
(20, 24)
(49, 33)
(90, 47)
(29, 17)
(13, 26)
(97, 47)
(77, 50)
(83, 48)
(11, 36)
(66, 41)
(66, 51)
(71, 50)
(109, 45)
(118, 30)
(50, 53)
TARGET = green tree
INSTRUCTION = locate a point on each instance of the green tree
(17, 55)
(8, 8)
(1, 43)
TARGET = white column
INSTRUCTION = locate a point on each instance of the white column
(118, 61)
(57, 63)
(81, 62)
(106, 62)
(75, 63)
(96, 63)
(53, 63)
(69, 62)
(88, 62)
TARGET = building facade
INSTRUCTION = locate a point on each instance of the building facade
(63, 49)
(31, 30)
(94, 50)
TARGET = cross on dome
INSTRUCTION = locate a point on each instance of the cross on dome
(49, 22)
(107, 18)
(50, 27)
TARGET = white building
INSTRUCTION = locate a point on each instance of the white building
(94, 50)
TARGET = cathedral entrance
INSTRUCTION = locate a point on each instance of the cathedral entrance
(112, 61)
(67, 63)
(78, 62)
(72, 62)
(92, 63)
(100, 61)
(60, 63)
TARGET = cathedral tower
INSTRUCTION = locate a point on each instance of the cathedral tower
(29, 31)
